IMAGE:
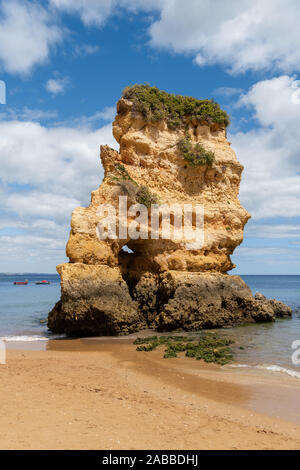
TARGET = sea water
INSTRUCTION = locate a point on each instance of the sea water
(269, 345)
(24, 310)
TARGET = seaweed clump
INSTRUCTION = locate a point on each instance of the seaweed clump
(209, 347)
(196, 154)
(156, 105)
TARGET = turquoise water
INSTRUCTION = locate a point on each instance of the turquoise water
(264, 345)
(268, 345)
(22, 307)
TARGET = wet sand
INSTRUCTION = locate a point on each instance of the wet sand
(103, 394)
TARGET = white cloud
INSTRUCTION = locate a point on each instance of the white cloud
(92, 12)
(57, 86)
(227, 91)
(30, 253)
(96, 12)
(107, 114)
(45, 172)
(271, 180)
(243, 35)
(27, 33)
(273, 252)
(256, 230)
(27, 114)
(85, 49)
(39, 245)
(40, 204)
(266, 260)
(60, 161)
(30, 30)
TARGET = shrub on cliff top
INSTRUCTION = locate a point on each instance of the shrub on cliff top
(156, 105)
(196, 154)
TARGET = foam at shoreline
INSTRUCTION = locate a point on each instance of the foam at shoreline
(48, 337)
(270, 367)
(29, 338)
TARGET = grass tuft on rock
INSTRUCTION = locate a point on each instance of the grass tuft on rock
(122, 174)
(195, 154)
(209, 347)
(156, 105)
(146, 197)
(129, 187)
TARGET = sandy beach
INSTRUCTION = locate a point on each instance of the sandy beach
(89, 394)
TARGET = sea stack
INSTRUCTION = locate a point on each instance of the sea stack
(173, 150)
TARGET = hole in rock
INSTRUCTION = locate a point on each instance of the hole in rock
(126, 249)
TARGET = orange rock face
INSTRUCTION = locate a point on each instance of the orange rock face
(149, 153)
(151, 167)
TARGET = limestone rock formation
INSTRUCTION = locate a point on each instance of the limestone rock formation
(173, 150)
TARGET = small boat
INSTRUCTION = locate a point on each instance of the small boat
(42, 282)
(21, 283)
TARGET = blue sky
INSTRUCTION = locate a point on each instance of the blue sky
(65, 64)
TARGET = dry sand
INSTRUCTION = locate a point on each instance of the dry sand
(105, 395)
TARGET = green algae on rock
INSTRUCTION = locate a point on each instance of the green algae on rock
(209, 347)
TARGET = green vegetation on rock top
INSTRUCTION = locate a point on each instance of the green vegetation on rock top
(156, 105)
